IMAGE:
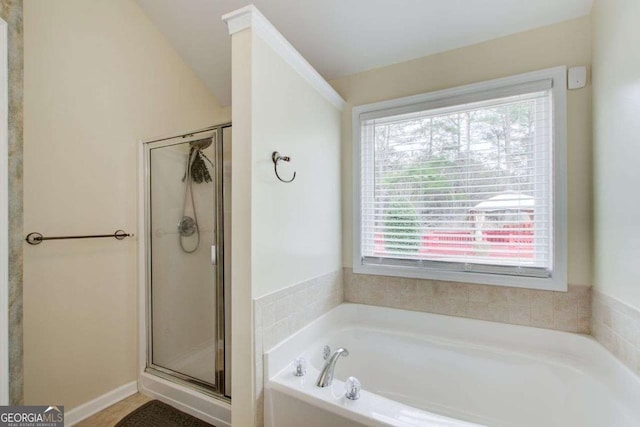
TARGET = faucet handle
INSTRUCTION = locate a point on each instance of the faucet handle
(352, 386)
(301, 367)
(326, 352)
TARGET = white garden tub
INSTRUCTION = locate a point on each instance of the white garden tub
(420, 369)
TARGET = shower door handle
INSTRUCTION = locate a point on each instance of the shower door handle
(213, 255)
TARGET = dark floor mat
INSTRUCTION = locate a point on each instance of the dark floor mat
(158, 414)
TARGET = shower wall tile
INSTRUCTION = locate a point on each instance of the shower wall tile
(282, 313)
(616, 326)
(565, 311)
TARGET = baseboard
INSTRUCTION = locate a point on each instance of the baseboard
(99, 403)
(206, 408)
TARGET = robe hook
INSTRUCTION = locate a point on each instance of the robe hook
(276, 157)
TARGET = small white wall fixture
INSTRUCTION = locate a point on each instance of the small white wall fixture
(4, 218)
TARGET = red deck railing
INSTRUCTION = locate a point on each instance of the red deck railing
(447, 243)
(509, 242)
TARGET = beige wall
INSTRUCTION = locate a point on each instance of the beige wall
(616, 114)
(283, 234)
(98, 78)
(567, 43)
(296, 226)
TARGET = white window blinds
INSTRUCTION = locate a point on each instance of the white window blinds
(464, 183)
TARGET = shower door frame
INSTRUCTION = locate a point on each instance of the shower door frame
(216, 391)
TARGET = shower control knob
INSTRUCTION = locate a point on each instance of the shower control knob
(301, 367)
(352, 387)
(187, 226)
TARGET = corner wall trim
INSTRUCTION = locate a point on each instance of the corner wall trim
(4, 217)
(250, 17)
(96, 405)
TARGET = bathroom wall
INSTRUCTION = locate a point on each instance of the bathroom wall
(286, 237)
(567, 43)
(296, 232)
(99, 77)
(616, 113)
(616, 109)
(11, 13)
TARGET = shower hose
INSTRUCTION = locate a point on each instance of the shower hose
(188, 193)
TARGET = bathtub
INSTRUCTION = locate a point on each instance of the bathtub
(420, 369)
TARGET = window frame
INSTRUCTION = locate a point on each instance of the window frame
(557, 281)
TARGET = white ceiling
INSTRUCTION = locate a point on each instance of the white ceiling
(341, 37)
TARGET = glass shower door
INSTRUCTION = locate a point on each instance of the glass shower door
(186, 289)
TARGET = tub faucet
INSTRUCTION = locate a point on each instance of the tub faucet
(326, 376)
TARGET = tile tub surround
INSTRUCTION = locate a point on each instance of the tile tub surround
(565, 311)
(280, 314)
(616, 326)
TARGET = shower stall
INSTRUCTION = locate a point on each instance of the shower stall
(185, 269)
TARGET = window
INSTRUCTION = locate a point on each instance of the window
(465, 184)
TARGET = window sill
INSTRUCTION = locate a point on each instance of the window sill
(556, 282)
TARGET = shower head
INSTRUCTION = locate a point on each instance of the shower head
(201, 144)
(197, 169)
